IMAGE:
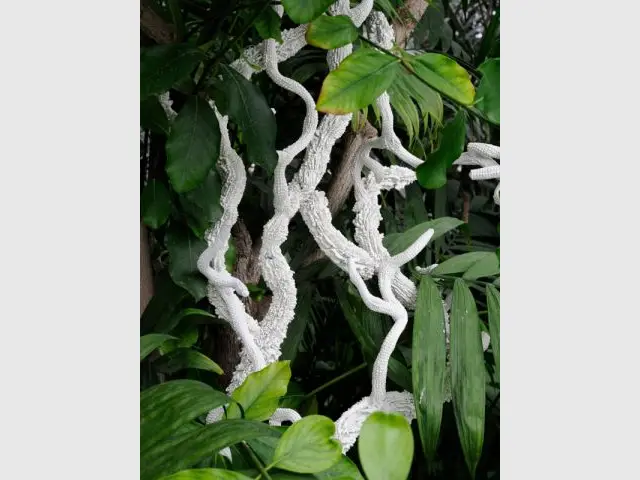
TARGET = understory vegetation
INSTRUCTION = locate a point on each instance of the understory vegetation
(441, 74)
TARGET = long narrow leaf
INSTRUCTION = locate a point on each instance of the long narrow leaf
(468, 374)
(165, 407)
(493, 305)
(428, 364)
(148, 343)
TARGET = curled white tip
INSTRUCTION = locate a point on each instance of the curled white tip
(414, 249)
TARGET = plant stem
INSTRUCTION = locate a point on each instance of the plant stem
(335, 380)
(257, 462)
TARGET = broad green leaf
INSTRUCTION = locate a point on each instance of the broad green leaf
(167, 406)
(153, 116)
(485, 267)
(385, 447)
(488, 93)
(432, 173)
(260, 392)
(193, 145)
(331, 32)
(185, 451)
(174, 320)
(345, 469)
(155, 204)
(184, 249)
(201, 205)
(188, 338)
(182, 358)
(161, 66)
(468, 374)
(463, 263)
(148, 343)
(245, 104)
(268, 25)
(361, 78)
(307, 446)
(428, 364)
(206, 474)
(444, 75)
(493, 306)
(303, 11)
(398, 242)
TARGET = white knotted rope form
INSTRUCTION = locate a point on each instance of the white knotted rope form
(368, 258)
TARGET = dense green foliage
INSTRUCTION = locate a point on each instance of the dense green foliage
(444, 91)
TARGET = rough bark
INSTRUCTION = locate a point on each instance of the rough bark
(146, 273)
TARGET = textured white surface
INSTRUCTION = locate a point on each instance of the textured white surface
(362, 260)
(483, 155)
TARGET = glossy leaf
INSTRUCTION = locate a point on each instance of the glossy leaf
(153, 116)
(245, 104)
(428, 364)
(468, 374)
(488, 93)
(303, 11)
(485, 267)
(432, 173)
(331, 32)
(193, 145)
(155, 204)
(385, 447)
(462, 263)
(185, 451)
(268, 25)
(444, 75)
(167, 406)
(184, 249)
(260, 393)
(183, 358)
(201, 205)
(398, 242)
(148, 343)
(161, 66)
(493, 306)
(206, 474)
(361, 78)
(174, 320)
(307, 446)
(345, 469)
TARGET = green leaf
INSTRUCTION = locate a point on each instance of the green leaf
(361, 78)
(303, 11)
(184, 249)
(148, 343)
(153, 116)
(465, 263)
(468, 375)
(260, 392)
(206, 474)
(428, 364)
(493, 306)
(432, 173)
(398, 242)
(268, 25)
(187, 358)
(193, 145)
(162, 306)
(245, 104)
(155, 204)
(345, 469)
(185, 451)
(307, 446)
(174, 320)
(444, 75)
(167, 406)
(485, 267)
(161, 66)
(201, 205)
(385, 447)
(488, 93)
(331, 32)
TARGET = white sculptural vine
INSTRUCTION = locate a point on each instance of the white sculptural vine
(363, 260)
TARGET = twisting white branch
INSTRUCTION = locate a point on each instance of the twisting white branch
(482, 155)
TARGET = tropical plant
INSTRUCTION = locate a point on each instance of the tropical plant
(255, 111)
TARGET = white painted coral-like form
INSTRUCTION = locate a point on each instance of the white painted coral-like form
(482, 155)
(363, 260)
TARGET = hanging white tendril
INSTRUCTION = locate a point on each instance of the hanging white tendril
(482, 155)
(361, 260)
